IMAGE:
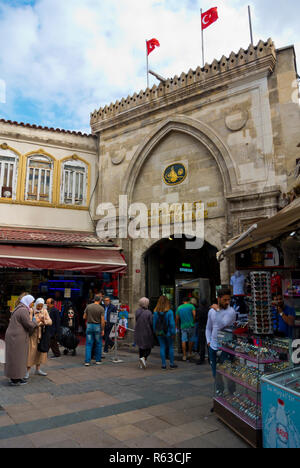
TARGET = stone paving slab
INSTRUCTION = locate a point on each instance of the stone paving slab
(112, 406)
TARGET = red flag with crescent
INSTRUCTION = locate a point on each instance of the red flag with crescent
(152, 44)
(209, 17)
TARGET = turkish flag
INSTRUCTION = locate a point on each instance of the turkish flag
(209, 17)
(152, 44)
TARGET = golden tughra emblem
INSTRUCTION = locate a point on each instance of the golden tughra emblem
(174, 174)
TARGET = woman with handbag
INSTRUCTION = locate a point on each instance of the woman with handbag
(17, 339)
(39, 342)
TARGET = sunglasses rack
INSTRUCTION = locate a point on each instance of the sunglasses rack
(261, 320)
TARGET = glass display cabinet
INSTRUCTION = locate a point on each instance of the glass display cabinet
(243, 361)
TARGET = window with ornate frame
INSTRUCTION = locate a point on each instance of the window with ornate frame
(39, 178)
(9, 166)
(74, 182)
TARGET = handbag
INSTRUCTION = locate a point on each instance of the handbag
(44, 344)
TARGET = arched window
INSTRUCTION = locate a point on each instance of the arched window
(74, 183)
(39, 178)
(9, 163)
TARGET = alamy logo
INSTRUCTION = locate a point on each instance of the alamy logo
(2, 92)
(160, 220)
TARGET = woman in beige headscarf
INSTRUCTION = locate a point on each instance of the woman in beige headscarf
(17, 339)
(35, 357)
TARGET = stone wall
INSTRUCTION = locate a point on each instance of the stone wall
(233, 124)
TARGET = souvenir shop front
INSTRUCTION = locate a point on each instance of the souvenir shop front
(257, 376)
(67, 274)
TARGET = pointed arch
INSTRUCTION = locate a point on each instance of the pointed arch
(196, 129)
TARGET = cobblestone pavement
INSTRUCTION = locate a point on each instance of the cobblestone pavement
(113, 406)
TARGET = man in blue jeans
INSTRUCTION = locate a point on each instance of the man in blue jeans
(94, 315)
(218, 318)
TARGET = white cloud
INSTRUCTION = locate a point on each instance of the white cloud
(71, 57)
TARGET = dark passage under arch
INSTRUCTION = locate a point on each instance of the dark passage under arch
(168, 260)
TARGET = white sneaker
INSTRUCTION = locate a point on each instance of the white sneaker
(26, 376)
(143, 362)
(41, 373)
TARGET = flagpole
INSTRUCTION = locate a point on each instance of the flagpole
(202, 38)
(147, 60)
(250, 24)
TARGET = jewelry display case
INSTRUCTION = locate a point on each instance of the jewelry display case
(243, 361)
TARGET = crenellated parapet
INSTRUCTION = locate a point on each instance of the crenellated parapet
(254, 58)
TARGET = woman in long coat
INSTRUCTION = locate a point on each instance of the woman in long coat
(143, 333)
(17, 340)
(35, 357)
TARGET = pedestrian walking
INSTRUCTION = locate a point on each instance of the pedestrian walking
(201, 320)
(194, 301)
(185, 319)
(94, 315)
(36, 357)
(165, 329)
(70, 321)
(143, 332)
(109, 309)
(55, 327)
(17, 341)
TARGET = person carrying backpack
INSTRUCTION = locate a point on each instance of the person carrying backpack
(164, 328)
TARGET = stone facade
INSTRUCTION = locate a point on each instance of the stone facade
(233, 125)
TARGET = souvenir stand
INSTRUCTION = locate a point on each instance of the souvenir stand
(252, 351)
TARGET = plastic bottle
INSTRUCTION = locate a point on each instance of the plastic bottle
(282, 434)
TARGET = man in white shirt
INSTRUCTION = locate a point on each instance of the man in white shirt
(218, 319)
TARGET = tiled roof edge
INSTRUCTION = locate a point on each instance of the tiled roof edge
(49, 129)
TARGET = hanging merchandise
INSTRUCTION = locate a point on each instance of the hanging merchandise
(258, 256)
(271, 256)
(276, 283)
(123, 320)
(237, 281)
(260, 319)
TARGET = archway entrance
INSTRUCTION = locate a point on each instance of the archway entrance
(169, 261)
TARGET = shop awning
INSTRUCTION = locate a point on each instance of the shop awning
(62, 259)
(284, 221)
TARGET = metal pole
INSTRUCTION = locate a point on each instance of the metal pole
(202, 39)
(250, 24)
(147, 59)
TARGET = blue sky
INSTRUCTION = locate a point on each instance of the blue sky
(60, 60)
